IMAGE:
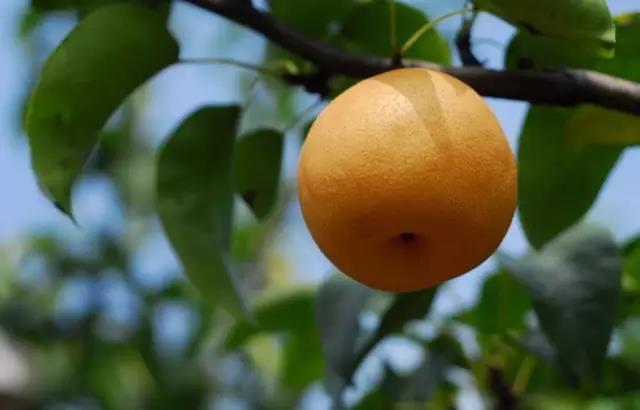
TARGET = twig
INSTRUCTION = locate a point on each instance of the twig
(504, 398)
(463, 42)
(563, 87)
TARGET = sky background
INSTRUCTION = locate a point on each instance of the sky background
(180, 89)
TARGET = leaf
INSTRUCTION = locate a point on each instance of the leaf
(195, 200)
(404, 308)
(303, 361)
(422, 384)
(367, 28)
(528, 51)
(312, 17)
(425, 383)
(107, 56)
(586, 23)
(502, 306)
(85, 7)
(557, 183)
(339, 303)
(257, 163)
(592, 125)
(290, 316)
(575, 287)
(289, 313)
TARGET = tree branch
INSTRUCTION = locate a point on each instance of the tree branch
(463, 42)
(565, 87)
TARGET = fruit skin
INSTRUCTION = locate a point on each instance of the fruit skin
(406, 180)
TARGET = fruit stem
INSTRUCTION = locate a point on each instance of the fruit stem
(430, 25)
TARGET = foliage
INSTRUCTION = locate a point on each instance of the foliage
(556, 328)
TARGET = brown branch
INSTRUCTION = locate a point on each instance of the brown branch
(463, 43)
(503, 396)
(566, 87)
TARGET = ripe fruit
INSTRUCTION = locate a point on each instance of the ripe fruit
(406, 180)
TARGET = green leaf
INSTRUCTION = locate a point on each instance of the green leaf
(257, 163)
(422, 384)
(303, 361)
(502, 306)
(586, 23)
(367, 30)
(85, 7)
(558, 183)
(312, 17)
(339, 304)
(592, 125)
(575, 287)
(195, 201)
(289, 313)
(632, 267)
(403, 308)
(626, 63)
(50, 5)
(107, 56)
(426, 383)
(528, 51)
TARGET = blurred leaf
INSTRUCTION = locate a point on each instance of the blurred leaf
(292, 312)
(404, 308)
(292, 316)
(621, 377)
(421, 385)
(502, 306)
(303, 361)
(84, 7)
(29, 22)
(374, 400)
(247, 239)
(367, 28)
(105, 58)
(535, 341)
(631, 245)
(586, 23)
(632, 264)
(575, 286)
(195, 200)
(426, 384)
(257, 163)
(339, 303)
(48, 5)
(552, 173)
(312, 17)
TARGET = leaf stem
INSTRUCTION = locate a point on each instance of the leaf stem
(302, 115)
(523, 375)
(428, 26)
(228, 61)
